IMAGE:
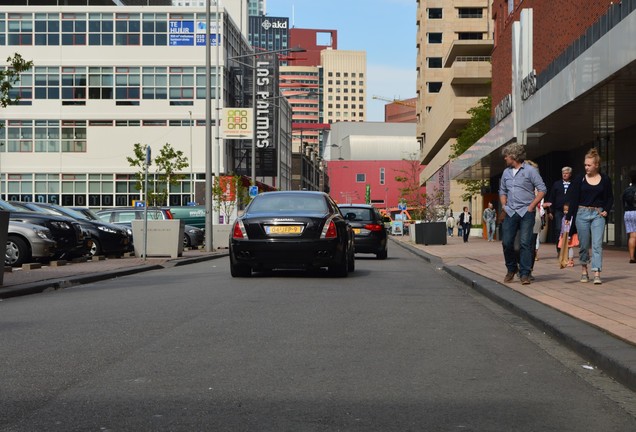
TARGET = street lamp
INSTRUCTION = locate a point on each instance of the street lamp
(191, 161)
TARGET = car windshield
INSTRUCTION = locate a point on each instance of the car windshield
(362, 214)
(72, 213)
(8, 207)
(288, 203)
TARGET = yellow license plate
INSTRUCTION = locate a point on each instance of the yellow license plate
(284, 229)
(356, 230)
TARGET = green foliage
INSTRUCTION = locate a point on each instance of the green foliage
(221, 194)
(10, 76)
(168, 163)
(477, 127)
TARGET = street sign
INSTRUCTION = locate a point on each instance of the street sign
(139, 203)
(402, 206)
(253, 191)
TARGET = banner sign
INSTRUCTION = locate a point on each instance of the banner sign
(183, 33)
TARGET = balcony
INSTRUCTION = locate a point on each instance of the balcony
(471, 70)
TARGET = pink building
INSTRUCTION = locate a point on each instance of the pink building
(348, 180)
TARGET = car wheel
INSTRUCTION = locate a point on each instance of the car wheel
(382, 255)
(186, 241)
(17, 252)
(352, 262)
(95, 248)
(239, 270)
(341, 269)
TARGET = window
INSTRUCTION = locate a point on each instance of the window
(127, 28)
(434, 38)
(20, 136)
(361, 178)
(47, 136)
(181, 81)
(73, 29)
(127, 85)
(470, 35)
(435, 13)
(434, 62)
(155, 29)
(100, 83)
(47, 29)
(100, 29)
(73, 136)
(47, 82)
(381, 176)
(511, 6)
(20, 26)
(155, 82)
(74, 84)
(434, 86)
(467, 12)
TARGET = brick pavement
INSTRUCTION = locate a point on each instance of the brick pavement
(610, 307)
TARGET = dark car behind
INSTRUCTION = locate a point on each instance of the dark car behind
(65, 231)
(368, 226)
(291, 229)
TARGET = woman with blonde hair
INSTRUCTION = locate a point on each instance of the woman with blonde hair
(591, 202)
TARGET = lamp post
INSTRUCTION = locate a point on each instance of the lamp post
(191, 171)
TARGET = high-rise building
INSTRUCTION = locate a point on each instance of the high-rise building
(344, 85)
(269, 33)
(314, 41)
(256, 7)
(454, 72)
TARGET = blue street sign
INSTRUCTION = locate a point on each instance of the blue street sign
(402, 206)
(253, 191)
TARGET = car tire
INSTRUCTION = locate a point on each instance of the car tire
(352, 262)
(94, 248)
(17, 253)
(341, 269)
(382, 255)
(239, 270)
(186, 241)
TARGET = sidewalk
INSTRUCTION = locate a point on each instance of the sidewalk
(597, 321)
(22, 282)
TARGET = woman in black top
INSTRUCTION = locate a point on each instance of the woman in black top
(629, 207)
(591, 202)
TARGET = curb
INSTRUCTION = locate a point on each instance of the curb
(614, 356)
(70, 281)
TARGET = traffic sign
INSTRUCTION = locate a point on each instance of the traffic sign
(253, 191)
(402, 206)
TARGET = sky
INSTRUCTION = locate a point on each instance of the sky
(385, 29)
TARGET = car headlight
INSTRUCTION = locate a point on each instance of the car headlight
(43, 233)
(60, 225)
(107, 229)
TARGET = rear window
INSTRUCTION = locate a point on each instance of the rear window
(286, 204)
(362, 214)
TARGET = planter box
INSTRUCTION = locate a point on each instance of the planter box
(431, 233)
(221, 236)
(165, 237)
(477, 232)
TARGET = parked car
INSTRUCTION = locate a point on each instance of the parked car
(192, 236)
(191, 215)
(291, 229)
(26, 242)
(368, 226)
(104, 238)
(91, 215)
(66, 232)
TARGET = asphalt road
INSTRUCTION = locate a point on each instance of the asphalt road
(397, 346)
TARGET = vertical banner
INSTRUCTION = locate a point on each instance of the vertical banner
(266, 90)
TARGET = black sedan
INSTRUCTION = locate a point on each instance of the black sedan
(104, 238)
(368, 228)
(291, 230)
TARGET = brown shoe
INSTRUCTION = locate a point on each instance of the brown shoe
(525, 280)
(509, 277)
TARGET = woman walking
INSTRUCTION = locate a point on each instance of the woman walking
(591, 202)
(629, 215)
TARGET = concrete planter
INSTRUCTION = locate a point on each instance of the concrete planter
(165, 237)
(477, 232)
(221, 236)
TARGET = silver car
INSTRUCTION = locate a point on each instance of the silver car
(27, 241)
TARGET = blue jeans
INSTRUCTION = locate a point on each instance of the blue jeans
(450, 231)
(490, 227)
(510, 226)
(591, 226)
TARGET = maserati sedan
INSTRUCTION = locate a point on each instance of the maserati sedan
(291, 230)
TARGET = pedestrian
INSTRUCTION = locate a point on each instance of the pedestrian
(490, 216)
(450, 224)
(629, 216)
(537, 227)
(557, 196)
(465, 220)
(591, 201)
(521, 189)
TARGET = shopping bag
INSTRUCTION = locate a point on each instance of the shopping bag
(563, 254)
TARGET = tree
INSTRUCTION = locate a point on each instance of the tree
(168, 163)
(426, 205)
(10, 76)
(228, 192)
(477, 127)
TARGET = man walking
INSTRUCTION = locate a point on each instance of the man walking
(558, 196)
(520, 191)
(489, 216)
(465, 221)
